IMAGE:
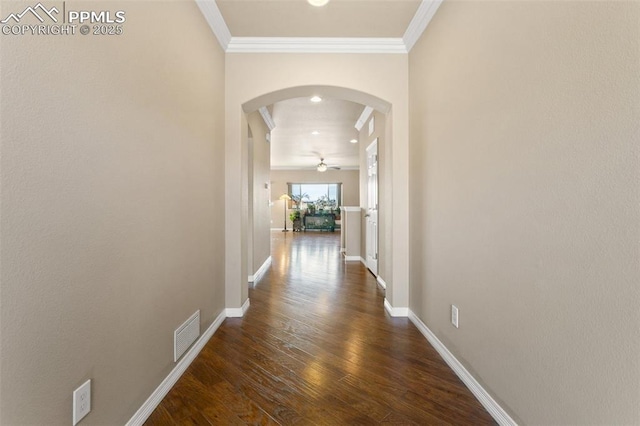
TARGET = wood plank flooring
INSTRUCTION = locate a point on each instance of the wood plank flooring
(316, 347)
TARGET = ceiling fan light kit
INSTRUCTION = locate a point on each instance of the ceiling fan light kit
(323, 167)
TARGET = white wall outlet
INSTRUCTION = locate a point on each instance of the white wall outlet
(81, 402)
(454, 315)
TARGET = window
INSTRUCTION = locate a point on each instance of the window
(313, 192)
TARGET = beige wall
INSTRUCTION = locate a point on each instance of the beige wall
(383, 76)
(260, 210)
(525, 202)
(280, 178)
(350, 232)
(111, 217)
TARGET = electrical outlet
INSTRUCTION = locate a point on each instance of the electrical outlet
(454, 315)
(81, 402)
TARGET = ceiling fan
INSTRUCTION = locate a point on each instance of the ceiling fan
(322, 167)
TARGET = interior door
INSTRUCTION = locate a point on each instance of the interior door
(371, 214)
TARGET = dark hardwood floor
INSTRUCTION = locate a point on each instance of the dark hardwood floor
(316, 347)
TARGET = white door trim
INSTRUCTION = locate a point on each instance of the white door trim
(371, 213)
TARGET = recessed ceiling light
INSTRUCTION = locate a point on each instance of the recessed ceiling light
(315, 133)
(316, 99)
(317, 3)
(354, 141)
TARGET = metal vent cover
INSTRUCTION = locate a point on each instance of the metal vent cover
(185, 335)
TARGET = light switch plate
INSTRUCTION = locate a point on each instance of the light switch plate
(454, 315)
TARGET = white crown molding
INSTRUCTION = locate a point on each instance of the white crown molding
(418, 24)
(266, 116)
(366, 113)
(315, 45)
(420, 21)
(163, 389)
(214, 18)
(497, 412)
(308, 169)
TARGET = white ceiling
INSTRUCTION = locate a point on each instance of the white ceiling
(373, 26)
(293, 146)
(339, 18)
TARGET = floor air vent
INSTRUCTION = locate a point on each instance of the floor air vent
(185, 335)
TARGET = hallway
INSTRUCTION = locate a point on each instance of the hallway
(317, 347)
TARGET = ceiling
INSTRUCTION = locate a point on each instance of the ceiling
(382, 26)
(293, 146)
(339, 18)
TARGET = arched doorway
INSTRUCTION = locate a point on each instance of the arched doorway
(259, 80)
(295, 116)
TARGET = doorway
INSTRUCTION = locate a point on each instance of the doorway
(377, 223)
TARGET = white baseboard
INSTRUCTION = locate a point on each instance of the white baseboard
(255, 277)
(381, 282)
(163, 389)
(238, 312)
(490, 404)
(352, 258)
(364, 262)
(395, 312)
